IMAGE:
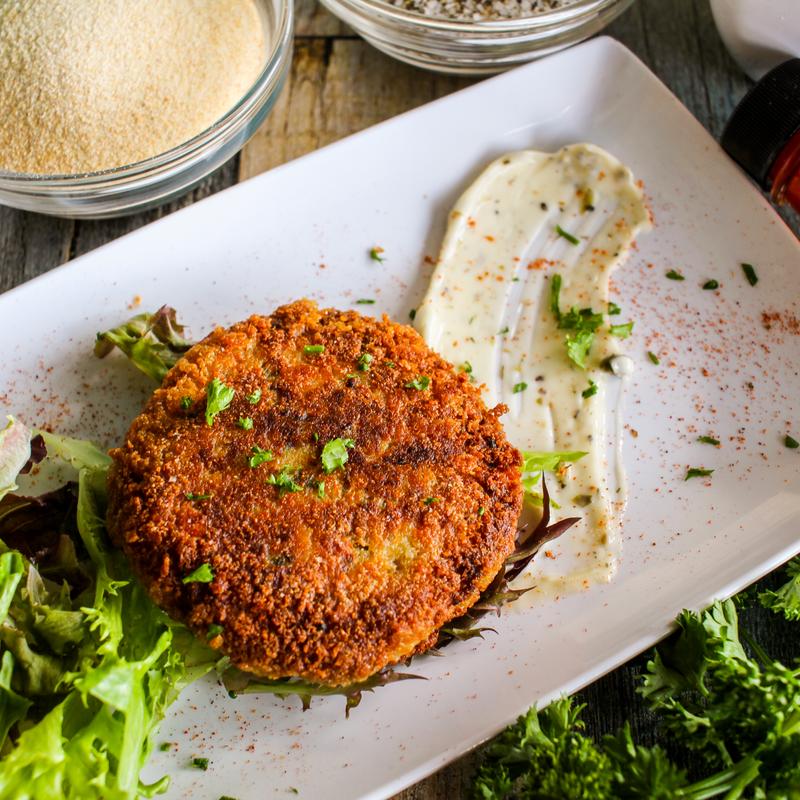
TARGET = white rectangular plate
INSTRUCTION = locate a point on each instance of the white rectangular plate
(305, 229)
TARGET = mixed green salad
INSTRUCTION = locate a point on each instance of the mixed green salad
(89, 664)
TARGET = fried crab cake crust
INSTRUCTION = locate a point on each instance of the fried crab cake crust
(331, 576)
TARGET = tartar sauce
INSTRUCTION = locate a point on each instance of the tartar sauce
(488, 309)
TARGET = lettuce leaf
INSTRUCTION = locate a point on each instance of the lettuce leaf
(13, 707)
(536, 462)
(15, 450)
(237, 682)
(152, 341)
(78, 453)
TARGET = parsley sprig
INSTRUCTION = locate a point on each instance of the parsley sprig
(218, 398)
(581, 324)
(750, 273)
(203, 574)
(698, 472)
(420, 383)
(258, 456)
(739, 714)
(334, 454)
(284, 481)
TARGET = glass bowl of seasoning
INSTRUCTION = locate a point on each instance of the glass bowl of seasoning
(474, 37)
(114, 108)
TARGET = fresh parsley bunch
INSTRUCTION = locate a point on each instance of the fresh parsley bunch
(739, 711)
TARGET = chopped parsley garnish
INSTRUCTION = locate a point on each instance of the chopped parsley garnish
(750, 273)
(588, 200)
(653, 357)
(314, 349)
(259, 456)
(568, 236)
(365, 301)
(284, 481)
(412, 315)
(466, 367)
(555, 292)
(315, 436)
(791, 443)
(420, 383)
(504, 331)
(321, 489)
(481, 511)
(711, 285)
(193, 497)
(214, 630)
(245, 423)
(389, 364)
(200, 763)
(697, 472)
(218, 398)
(254, 398)
(613, 309)
(622, 331)
(375, 254)
(582, 500)
(578, 346)
(165, 747)
(708, 440)
(429, 501)
(581, 322)
(364, 362)
(519, 387)
(186, 402)
(674, 275)
(590, 390)
(203, 574)
(334, 455)
(577, 319)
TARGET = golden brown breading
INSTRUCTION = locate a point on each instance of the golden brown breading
(331, 584)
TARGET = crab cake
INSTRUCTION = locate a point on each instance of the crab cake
(315, 493)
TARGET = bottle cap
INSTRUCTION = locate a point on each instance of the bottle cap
(764, 121)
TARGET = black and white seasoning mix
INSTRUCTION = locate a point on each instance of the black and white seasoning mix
(481, 9)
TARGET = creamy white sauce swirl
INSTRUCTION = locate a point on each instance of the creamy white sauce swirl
(488, 306)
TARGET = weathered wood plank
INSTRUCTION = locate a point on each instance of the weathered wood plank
(337, 87)
(311, 19)
(29, 245)
(32, 244)
(91, 234)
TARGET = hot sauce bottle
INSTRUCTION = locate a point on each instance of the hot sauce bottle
(763, 135)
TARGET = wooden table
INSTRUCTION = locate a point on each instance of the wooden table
(339, 85)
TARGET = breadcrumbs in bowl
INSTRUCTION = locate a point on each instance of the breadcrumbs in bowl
(174, 92)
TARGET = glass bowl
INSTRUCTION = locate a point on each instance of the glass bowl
(149, 183)
(469, 47)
